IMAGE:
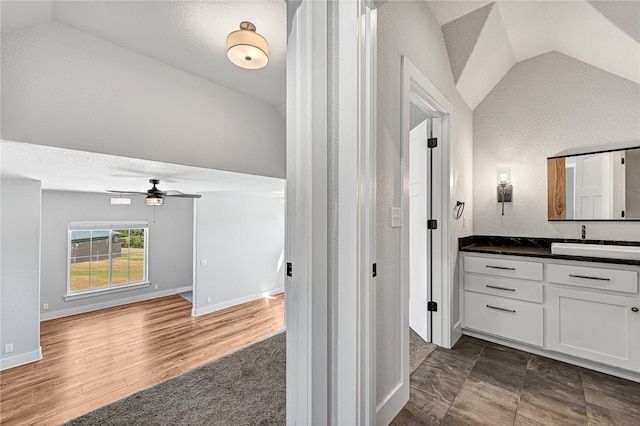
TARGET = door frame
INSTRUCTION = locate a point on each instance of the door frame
(419, 89)
(330, 213)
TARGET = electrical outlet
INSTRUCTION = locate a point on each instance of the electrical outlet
(203, 262)
(8, 348)
(45, 306)
(155, 287)
(208, 300)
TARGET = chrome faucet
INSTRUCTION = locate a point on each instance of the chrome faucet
(584, 232)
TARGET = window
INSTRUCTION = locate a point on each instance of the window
(106, 255)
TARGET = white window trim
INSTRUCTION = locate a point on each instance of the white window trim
(110, 225)
(100, 292)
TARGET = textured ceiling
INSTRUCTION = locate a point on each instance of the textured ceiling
(485, 39)
(188, 35)
(70, 170)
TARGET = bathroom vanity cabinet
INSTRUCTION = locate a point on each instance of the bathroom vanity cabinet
(578, 311)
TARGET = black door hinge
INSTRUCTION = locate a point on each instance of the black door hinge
(374, 270)
(432, 142)
(622, 161)
(432, 307)
(289, 269)
(432, 224)
(622, 213)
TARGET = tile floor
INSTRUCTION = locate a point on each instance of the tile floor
(481, 383)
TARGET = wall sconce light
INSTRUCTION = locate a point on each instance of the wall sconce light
(505, 189)
(246, 48)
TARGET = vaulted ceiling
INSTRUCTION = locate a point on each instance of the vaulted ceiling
(187, 35)
(485, 39)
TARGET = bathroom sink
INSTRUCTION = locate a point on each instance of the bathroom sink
(596, 250)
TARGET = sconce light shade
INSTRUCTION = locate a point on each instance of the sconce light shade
(504, 175)
(154, 200)
(246, 48)
(505, 189)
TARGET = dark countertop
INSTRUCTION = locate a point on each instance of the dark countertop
(534, 247)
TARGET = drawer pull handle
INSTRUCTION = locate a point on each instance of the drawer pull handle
(500, 267)
(586, 277)
(501, 309)
(501, 288)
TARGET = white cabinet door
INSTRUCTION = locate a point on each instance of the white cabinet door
(595, 326)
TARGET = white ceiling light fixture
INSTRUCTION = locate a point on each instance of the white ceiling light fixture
(246, 48)
(120, 201)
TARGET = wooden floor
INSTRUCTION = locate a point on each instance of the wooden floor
(93, 359)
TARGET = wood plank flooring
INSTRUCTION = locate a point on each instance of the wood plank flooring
(93, 359)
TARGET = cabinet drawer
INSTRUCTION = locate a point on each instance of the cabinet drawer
(602, 278)
(508, 318)
(504, 267)
(512, 288)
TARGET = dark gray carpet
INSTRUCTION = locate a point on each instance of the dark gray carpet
(246, 387)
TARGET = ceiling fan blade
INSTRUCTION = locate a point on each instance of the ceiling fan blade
(126, 192)
(181, 195)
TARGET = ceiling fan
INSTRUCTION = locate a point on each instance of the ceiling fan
(155, 197)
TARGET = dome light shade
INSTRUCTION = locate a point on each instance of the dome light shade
(246, 48)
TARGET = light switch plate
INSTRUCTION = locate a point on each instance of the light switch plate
(396, 217)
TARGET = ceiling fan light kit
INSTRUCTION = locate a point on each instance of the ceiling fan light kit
(155, 197)
(154, 200)
(246, 48)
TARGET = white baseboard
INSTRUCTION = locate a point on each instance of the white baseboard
(21, 359)
(110, 304)
(229, 303)
(183, 289)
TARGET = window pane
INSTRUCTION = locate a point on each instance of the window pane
(120, 257)
(99, 259)
(80, 261)
(80, 273)
(136, 255)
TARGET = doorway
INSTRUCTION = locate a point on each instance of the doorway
(424, 201)
(426, 270)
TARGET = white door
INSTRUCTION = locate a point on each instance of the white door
(418, 237)
(596, 326)
(592, 189)
(617, 186)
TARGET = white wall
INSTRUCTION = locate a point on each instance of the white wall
(170, 247)
(20, 275)
(409, 28)
(241, 237)
(543, 106)
(63, 87)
